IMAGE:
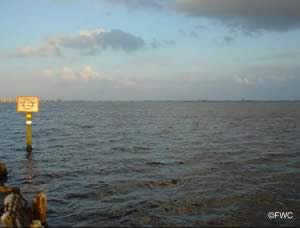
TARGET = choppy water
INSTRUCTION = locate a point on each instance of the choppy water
(158, 163)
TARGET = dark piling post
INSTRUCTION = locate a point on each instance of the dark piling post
(28, 132)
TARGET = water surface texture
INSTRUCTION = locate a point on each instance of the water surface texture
(158, 163)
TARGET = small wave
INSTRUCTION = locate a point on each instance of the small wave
(150, 204)
(155, 163)
(153, 184)
(122, 149)
(56, 200)
(141, 148)
(122, 214)
(53, 175)
(86, 195)
(86, 126)
(56, 146)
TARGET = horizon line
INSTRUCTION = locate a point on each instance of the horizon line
(162, 100)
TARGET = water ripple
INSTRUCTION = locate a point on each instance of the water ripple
(158, 163)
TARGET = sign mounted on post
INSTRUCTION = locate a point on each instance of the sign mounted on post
(28, 104)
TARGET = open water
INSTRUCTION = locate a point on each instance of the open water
(158, 163)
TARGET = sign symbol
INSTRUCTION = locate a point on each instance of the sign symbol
(28, 104)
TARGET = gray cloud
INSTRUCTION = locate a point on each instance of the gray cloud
(86, 42)
(228, 39)
(276, 15)
(158, 44)
(192, 34)
(249, 15)
(100, 39)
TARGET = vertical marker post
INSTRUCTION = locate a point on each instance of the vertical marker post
(28, 105)
(28, 132)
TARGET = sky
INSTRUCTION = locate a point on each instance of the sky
(150, 49)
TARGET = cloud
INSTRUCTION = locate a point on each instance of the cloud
(153, 4)
(194, 34)
(248, 15)
(272, 15)
(100, 39)
(290, 54)
(86, 42)
(43, 51)
(200, 27)
(268, 74)
(162, 43)
(244, 81)
(87, 73)
(125, 83)
(68, 74)
(228, 39)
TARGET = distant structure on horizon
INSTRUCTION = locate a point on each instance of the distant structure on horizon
(7, 100)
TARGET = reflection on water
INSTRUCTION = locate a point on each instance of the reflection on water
(28, 170)
(158, 163)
